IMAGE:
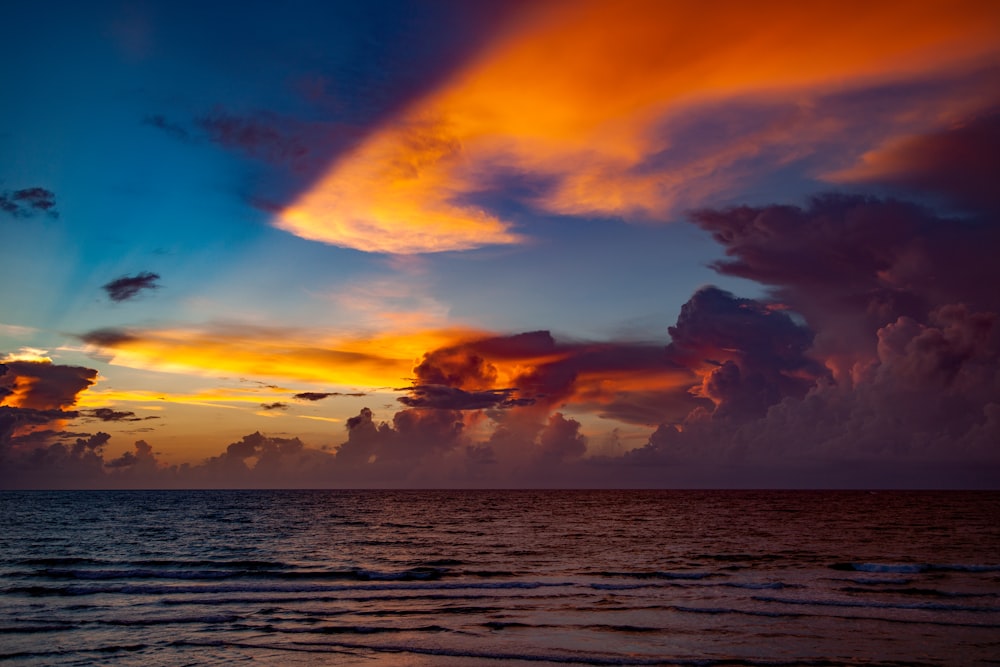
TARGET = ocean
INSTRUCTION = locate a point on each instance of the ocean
(419, 578)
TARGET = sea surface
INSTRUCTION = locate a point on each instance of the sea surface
(499, 578)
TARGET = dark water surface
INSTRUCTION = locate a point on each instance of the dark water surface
(499, 578)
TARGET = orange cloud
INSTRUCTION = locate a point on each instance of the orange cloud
(216, 398)
(578, 95)
(382, 360)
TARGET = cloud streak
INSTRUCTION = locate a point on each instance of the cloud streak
(380, 360)
(314, 396)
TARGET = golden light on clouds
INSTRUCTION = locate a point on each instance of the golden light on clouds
(28, 354)
(216, 398)
(382, 360)
(578, 98)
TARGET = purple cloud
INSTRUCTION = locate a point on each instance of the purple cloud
(28, 202)
(128, 287)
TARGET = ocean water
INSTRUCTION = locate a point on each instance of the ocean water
(499, 578)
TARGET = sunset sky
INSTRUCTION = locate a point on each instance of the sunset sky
(463, 244)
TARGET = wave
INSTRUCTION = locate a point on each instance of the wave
(264, 570)
(111, 648)
(913, 568)
(872, 604)
(351, 629)
(275, 599)
(656, 575)
(155, 562)
(32, 629)
(920, 592)
(152, 589)
(259, 570)
(567, 657)
(757, 586)
(171, 620)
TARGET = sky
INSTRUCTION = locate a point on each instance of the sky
(585, 243)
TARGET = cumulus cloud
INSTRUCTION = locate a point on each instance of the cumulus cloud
(900, 384)
(142, 456)
(851, 264)
(128, 287)
(85, 464)
(412, 435)
(36, 398)
(561, 439)
(548, 372)
(28, 202)
(753, 355)
(42, 385)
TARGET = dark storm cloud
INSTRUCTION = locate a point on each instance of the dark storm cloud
(639, 383)
(852, 264)
(549, 371)
(905, 311)
(28, 202)
(128, 287)
(926, 412)
(44, 385)
(759, 354)
(320, 395)
(451, 398)
(11, 419)
(42, 393)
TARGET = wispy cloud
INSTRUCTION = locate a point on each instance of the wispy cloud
(584, 100)
(379, 360)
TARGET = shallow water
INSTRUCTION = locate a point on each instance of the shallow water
(499, 577)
